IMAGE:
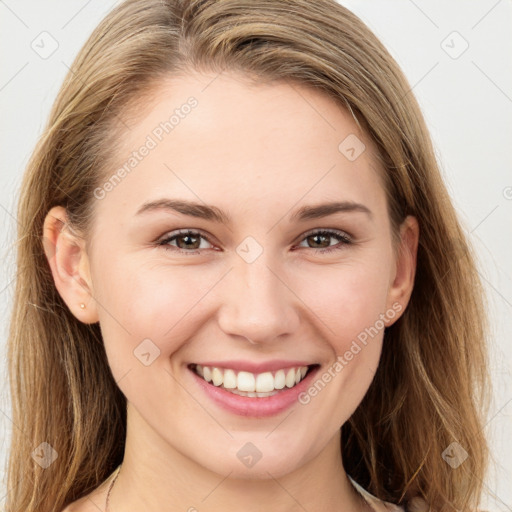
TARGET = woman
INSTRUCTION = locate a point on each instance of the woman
(241, 277)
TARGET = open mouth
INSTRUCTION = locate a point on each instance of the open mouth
(252, 385)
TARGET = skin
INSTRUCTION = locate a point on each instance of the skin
(258, 152)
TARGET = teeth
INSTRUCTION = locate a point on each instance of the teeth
(252, 395)
(290, 378)
(217, 377)
(229, 379)
(280, 379)
(265, 382)
(246, 381)
(250, 384)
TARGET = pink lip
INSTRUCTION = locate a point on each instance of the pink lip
(254, 406)
(251, 366)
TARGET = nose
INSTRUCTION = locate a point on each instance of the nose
(258, 304)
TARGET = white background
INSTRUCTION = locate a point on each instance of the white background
(467, 102)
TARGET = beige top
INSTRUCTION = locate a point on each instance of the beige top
(374, 502)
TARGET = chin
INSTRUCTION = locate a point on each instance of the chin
(257, 458)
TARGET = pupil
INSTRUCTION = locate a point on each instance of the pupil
(319, 236)
(187, 244)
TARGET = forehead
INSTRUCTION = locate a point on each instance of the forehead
(204, 134)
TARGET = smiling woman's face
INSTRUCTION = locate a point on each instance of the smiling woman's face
(253, 291)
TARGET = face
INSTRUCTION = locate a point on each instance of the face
(278, 302)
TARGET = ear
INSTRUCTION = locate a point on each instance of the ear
(402, 282)
(69, 263)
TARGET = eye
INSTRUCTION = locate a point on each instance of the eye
(319, 237)
(187, 241)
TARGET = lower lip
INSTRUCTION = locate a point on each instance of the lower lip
(254, 406)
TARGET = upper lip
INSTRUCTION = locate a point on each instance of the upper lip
(253, 367)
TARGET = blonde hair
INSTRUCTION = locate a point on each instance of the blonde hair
(431, 387)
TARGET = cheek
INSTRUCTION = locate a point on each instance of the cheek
(147, 314)
(350, 305)
(347, 299)
(141, 301)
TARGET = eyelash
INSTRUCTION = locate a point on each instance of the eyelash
(342, 237)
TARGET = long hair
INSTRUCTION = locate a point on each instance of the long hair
(431, 388)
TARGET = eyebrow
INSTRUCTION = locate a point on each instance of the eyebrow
(212, 213)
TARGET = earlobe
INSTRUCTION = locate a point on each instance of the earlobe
(69, 264)
(402, 282)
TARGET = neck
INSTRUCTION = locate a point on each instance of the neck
(155, 476)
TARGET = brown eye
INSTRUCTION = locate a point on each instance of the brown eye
(321, 240)
(186, 241)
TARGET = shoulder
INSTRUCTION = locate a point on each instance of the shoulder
(80, 506)
(382, 506)
(375, 503)
(90, 503)
(95, 500)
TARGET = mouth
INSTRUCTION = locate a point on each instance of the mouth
(253, 385)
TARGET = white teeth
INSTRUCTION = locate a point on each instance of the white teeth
(245, 393)
(279, 379)
(290, 378)
(217, 377)
(229, 379)
(246, 381)
(250, 384)
(264, 382)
